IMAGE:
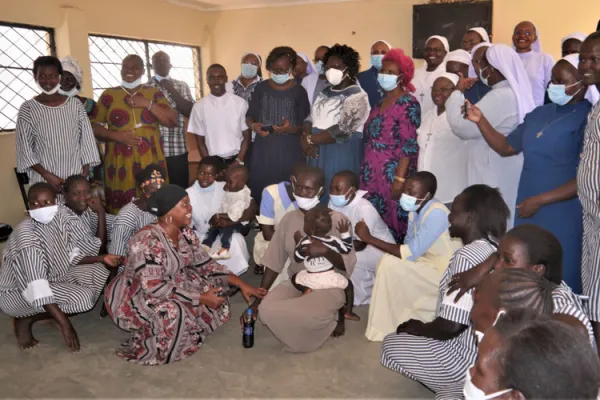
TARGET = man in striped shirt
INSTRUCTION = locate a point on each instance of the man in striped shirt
(174, 140)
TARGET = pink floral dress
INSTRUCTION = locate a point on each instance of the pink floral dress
(157, 297)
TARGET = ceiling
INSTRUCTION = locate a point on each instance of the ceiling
(219, 5)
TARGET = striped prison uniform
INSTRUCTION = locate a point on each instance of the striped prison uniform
(127, 223)
(60, 139)
(435, 363)
(39, 267)
(588, 189)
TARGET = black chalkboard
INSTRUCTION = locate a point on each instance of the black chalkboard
(450, 20)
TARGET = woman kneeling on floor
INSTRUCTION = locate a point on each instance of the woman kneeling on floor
(171, 295)
(50, 268)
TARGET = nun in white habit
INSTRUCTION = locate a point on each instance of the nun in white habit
(506, 106)
(440, 151)
(526, 42)
(436, 50)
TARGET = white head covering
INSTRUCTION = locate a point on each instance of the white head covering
(255, 55)
(460, 55)
(482, 32)
(441, 39)
(69, 64)
(472, 73)
(576, 35)
(310, 67)
(572, 59)
(382, 41)
(508, 62)
(451, 77)
(537, 45)
(591, 94)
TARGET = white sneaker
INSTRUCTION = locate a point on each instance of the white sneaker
(206, 248)
(221, 254)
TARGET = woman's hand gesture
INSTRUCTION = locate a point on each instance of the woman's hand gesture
(214, 298)
(249, 291)
(472, 112)
(112, 260)
(344, 226)
(285, 127)
(362, 230)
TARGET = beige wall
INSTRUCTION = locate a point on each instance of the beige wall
(224, 36)
(359, 24)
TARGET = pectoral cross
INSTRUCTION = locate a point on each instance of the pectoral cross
(539, 134)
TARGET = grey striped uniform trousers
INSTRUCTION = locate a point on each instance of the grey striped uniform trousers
(588, 189)
(439, 364)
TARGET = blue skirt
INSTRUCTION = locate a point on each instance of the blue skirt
(337, 157)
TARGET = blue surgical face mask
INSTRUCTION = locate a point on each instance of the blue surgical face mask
(482, 79)
(280, 79)
(558, 93)
(249, 71)
(341, 199)
(210, 188)
(387, 82)
(160, 78)
(377, 60)
(409, 203)
(319, 67)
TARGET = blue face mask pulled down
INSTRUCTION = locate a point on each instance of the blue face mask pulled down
(377, 60)
(558, 94)
(207, 189)
(280, 79)
(387, 82)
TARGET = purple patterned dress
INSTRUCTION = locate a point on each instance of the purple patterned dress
(390, 135)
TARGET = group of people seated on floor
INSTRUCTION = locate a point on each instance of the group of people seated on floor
(389, 187)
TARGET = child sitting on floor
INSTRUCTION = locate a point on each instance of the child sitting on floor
(235, 201)
(319, 272)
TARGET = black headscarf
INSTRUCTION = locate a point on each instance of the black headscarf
(164, 199)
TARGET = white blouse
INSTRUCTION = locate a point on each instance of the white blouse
(443, 154)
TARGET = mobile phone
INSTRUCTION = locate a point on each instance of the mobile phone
(267, 128)
(465, 109)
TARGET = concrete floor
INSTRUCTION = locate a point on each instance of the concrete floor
(343, 368)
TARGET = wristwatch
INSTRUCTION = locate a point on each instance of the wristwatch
(239, 161)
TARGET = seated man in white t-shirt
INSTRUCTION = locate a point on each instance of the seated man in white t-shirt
(219, 121)
(345, 198)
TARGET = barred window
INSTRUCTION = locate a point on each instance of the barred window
(20, 45)
(108, 52)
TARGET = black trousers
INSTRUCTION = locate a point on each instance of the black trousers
(179, 170)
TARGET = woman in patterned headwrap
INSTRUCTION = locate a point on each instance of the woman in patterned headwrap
(170, 296)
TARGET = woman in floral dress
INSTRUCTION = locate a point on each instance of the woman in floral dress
(391, 149)
(171, 295)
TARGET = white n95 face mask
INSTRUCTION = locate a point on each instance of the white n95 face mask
(48, 92)
(44, 215)
(334, 76)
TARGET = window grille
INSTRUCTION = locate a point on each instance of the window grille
(20, 45)
(108, 52)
